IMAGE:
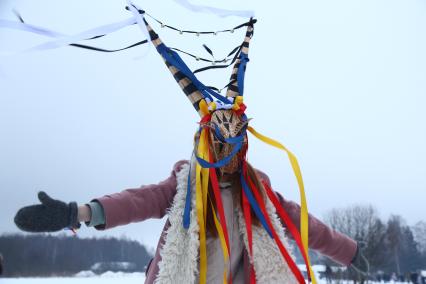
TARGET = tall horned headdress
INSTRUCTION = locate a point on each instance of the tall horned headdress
(221, 143)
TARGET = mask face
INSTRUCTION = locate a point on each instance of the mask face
(230, 125)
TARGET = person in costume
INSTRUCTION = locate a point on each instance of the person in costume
(225, 222)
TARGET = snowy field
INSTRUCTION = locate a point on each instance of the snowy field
(99, 280)
(82, 278)
(106, 278)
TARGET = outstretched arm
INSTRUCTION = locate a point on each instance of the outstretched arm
(322, 238)
(132, 205)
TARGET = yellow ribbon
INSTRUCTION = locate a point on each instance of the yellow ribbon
(201, 211)
(202, 185)
(304, 208)
(204, 171)
(222, 242)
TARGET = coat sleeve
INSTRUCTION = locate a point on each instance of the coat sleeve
(138, 204)
(322, 238)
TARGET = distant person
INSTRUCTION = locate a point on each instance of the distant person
(414, 277)
(328, 274)
(1, 264)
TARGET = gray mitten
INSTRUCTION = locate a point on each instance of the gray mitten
(50, 216)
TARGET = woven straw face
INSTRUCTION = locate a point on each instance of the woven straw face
(230, 125)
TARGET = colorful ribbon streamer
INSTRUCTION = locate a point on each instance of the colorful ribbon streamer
(303, 204)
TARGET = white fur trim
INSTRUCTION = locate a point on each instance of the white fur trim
(179, 255)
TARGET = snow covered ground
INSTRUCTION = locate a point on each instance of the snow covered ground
(106, 278)
(82, 278)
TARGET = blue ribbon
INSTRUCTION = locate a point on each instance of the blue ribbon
(254, 205)
(222, 162)
(216, 95)
(174, 59)
(187, 210)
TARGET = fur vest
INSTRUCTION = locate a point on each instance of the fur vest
(180, 253)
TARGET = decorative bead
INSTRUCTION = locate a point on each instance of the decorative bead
(162, 25)
(197, 58)
(232, 31)
(198, 34)
(203, 107)
(213, 62)
(212, 106)
(215, 33)
(238, 100)
(181, 32)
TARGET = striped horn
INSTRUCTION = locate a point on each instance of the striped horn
(187, 85)
(236, 87)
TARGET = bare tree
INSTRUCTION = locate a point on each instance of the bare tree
(419, 231)
(405, 255)
(356, 221)
(394, 235)
(362, 223)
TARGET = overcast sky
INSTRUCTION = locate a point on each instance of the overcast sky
(341, 83)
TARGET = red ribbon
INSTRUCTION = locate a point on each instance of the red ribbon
(247, 218)
(292, 265)
(218, 198)
(287, 220)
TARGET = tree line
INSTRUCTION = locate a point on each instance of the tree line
(391, 246)
(47, 255)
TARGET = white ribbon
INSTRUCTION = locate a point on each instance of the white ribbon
(63, 41)
(216, 11)
(138, 17)
(29, 28)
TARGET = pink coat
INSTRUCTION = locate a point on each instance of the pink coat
(152, 201)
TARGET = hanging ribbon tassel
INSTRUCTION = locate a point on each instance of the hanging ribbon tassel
(303, 204)
(289, 224)
(226, 250)
(247, 218)
(204, 173)
(200, 213)
(202, 181)
(187, 209)
(254, 205)
(223, 244)
(292, 265)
